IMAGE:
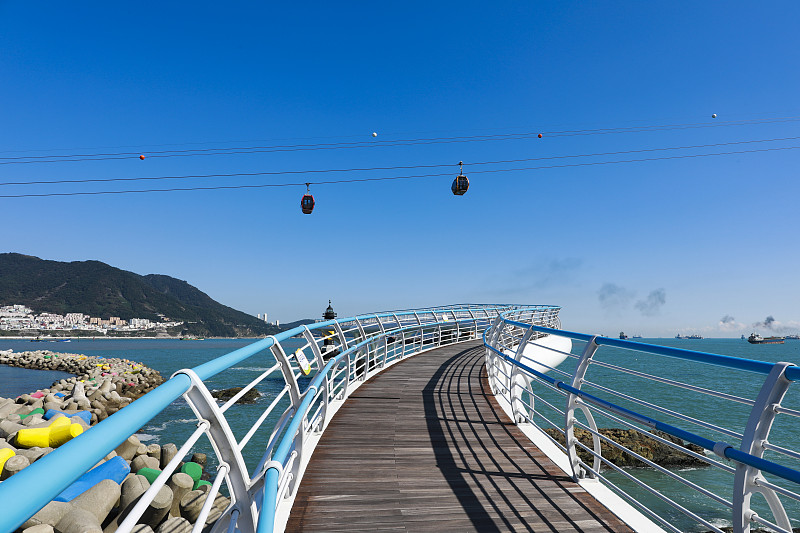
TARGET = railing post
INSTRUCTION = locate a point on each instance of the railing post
(326, 382)
(225, 446)
(512, 376)
(340, 333)
(745, 481)
(296, 398)
(458, 326)
(474, 322)
(385, 344)
(491, 357)
(573, 402)
(364, 348)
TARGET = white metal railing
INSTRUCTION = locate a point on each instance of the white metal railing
(327, 361)
(594, 390)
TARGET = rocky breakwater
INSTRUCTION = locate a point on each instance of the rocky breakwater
(33, 425)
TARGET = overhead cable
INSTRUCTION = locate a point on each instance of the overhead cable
(386, 178)
(380, 143)
(401, 167)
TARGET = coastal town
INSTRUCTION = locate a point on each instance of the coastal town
(20, 318)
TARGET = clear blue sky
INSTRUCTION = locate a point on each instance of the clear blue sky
(654, 247)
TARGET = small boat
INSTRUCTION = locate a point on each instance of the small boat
(793, 337)
(622, 335)
(636, 337)
(755, 338)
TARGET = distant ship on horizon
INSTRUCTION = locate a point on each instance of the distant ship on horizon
(694, 336)
(755, 338)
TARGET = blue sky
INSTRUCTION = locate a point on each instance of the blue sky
(692, 244)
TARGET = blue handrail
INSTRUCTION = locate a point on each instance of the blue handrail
(511, 380)
(266, 520)
(82, 453)
(26, 492)
(727, 361)
(708, 444)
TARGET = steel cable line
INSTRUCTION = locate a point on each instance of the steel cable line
(372, 144)
(404, 167)
(387, 178)
(143, 147)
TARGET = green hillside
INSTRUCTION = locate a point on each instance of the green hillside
(100, 290)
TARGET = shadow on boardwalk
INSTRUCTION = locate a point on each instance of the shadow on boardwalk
(424, 447)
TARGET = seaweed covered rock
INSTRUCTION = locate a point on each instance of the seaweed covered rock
(640, 443)
(226, 394)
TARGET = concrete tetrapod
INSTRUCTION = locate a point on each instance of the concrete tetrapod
(115, 469)
(180, 484)
(87, 511)
(13, 465)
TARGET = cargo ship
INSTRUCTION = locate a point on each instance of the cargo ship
(755, 338)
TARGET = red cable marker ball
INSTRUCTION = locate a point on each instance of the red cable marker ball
(540, 135)
(141, 157)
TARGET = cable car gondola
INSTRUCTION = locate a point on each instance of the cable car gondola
(460, 183)
(307, 203)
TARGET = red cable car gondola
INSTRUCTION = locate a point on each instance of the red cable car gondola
(461, 183)
(307, 203)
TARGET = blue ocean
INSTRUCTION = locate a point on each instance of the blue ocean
(169, 355)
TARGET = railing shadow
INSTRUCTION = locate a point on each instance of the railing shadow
(488, 463)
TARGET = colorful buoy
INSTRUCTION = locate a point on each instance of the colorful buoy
(141, 157)
(540, 135)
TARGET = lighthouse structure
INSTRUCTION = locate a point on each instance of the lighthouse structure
(329, 344)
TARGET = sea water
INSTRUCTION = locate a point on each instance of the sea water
(177, 421)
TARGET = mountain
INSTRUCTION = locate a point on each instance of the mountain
(100, 290)
(292, 325)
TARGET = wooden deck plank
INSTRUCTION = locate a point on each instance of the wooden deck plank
(424, 447)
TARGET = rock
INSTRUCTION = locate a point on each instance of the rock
(226, 394)
(647, 447)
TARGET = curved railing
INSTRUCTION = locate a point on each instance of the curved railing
(619, 389)
(326, 363)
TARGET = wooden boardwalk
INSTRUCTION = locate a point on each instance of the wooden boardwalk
(424, 447)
